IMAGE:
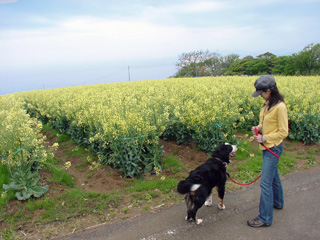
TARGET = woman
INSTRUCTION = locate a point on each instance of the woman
(273, 128)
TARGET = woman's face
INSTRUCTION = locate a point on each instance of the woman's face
(266, 94)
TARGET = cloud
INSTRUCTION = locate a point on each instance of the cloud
(165, 31)
(7, 1)
(196, 7)
(173, 10)
(84, 40)
(87, 39)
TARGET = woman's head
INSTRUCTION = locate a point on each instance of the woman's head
(266, 87)
(263, 84)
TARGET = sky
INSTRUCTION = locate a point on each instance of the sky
(48, 44)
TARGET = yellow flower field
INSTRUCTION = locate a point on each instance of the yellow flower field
(123, 121)
(20, 135)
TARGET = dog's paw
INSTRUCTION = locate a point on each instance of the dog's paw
(208, 201)
(186, 218)
(199, 221)
(221, 206)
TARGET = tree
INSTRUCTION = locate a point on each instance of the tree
(267, 55)
(249, 57)
(204, 63)
(218, 64)
(238, 67)
(213, 64)
(258, 67)
(307, 61)
(191, 60)
(316, 53)
(227, 61)
(284, 65)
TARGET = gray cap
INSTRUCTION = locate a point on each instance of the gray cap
(264, 83)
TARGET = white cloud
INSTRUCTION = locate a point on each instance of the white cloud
(7, 1)
(93, 39)
(173, 10)
(199, 6)
(158, 32)
(87, 39)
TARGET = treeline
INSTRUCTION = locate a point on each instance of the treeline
(204, 63)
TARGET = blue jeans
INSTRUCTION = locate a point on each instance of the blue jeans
(270, 184)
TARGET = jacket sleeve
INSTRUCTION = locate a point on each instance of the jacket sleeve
(283, 126)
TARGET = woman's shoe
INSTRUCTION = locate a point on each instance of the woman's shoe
(257, 223)
(279, 208)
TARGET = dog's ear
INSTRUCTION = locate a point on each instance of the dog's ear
(224, 151)
(217, 151)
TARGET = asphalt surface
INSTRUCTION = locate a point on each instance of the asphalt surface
(299, 219)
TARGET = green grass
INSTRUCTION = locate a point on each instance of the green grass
(46, 127)
(253, 165)
(314, 151)
(45, 203)
(59, 175)
(63, 138)
(150, 195)
(165, 185)
(144, 193)
(248, 170)
(82, 166)
(244, 150)
(286, 164)
(172, 164)
(8, 234)
(5, 197)
(311, 160)
(77, 152)
(76, 202)
(248, 163)
(72, 203)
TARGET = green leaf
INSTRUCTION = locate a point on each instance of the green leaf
(148, 168)
(25, 195)
(12, 186)
(38, 191)
(25, 183)
(33, 181)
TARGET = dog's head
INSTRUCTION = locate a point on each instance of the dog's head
(225, 151)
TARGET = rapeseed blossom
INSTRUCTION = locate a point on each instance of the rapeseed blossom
(144, 110)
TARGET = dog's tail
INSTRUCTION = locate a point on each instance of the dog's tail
(186, 186)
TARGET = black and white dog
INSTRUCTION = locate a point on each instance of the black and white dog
(200, 182)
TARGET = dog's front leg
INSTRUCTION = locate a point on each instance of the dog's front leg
(208, 202)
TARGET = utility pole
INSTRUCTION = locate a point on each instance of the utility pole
(129, 73)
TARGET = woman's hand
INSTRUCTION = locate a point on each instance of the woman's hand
(254, 130)
(258, 138)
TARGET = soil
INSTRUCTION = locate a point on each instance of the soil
(105, 179)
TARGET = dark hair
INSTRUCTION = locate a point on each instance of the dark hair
(275, 97)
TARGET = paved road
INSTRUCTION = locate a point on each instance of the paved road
(299, 219)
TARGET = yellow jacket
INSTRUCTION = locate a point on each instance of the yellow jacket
(273, 125)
